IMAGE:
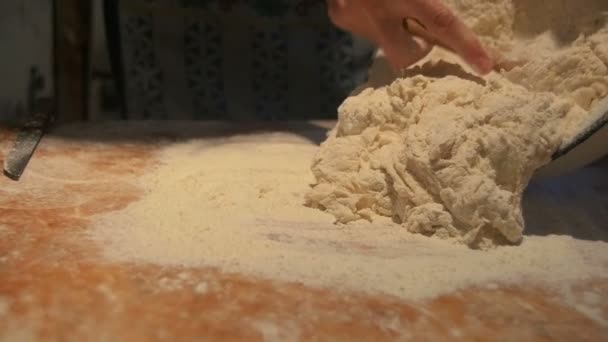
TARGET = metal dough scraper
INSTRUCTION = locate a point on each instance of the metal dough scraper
(598, 121)
(26, 142)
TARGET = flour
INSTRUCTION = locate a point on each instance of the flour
(237, 205)
(450, 156)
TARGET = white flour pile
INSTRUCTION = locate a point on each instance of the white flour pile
(450, 156)
(237, 204)
(436, 155)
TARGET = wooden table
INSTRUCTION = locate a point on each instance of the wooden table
(55, 286)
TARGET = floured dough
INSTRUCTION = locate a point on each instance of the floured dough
(449, 154)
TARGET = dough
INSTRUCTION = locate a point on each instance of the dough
(448, 154)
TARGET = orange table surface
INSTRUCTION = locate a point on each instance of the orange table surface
(55, 286)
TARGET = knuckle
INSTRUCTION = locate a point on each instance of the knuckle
(340, 14)
(341, 22)
(336, 16)
(444, 18)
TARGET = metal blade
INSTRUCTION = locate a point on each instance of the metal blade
(598, 119)
(18, 158)
(28, 138)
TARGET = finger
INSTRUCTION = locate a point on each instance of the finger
(501, 62)
(335, 6)
(351, 18)
(401, 48)
(446, 27)
(415, 28)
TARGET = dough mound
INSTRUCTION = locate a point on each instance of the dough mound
(448, 157)
(446, 153)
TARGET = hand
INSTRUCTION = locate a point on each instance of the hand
(382, 22)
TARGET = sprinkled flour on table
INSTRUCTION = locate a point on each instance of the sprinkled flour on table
(237, 204)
